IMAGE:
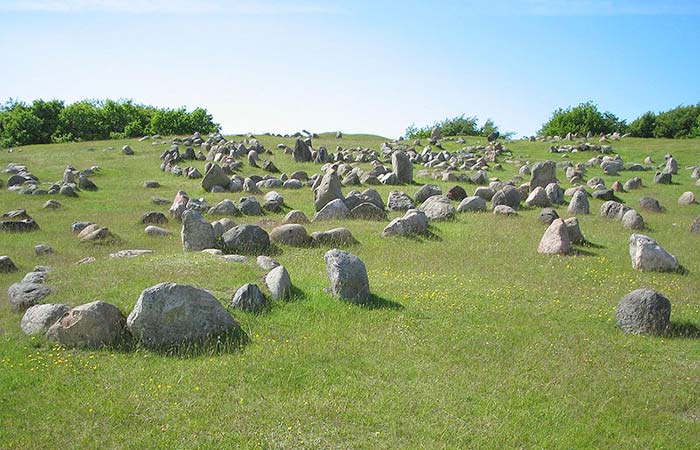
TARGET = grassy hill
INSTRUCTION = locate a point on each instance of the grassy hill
(477, 342)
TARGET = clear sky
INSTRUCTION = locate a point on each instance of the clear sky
(356, 66)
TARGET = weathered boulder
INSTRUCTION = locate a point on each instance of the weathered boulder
(348, 276)
(337, 236)
(438, 207)
(250, 206)
(644, 311)
(367, 211)
(508, 195)
(473, 203)
(414, 222)
(153, 230)
(538, 198)
(333, 210)
(169, 315)
(328, 190)
(402, 167)
(278, 283)
(225, 207)
(7, 265)
(542, 174)
(548, 215)
(579, 203)
(426, 191)
(456, 193)
(555, 239)
(245, 239)
(294, 235)
(96, 324)
(179, 204)
(648, 255)
(23, 295)
(650, 204)
(215, 176)
(197, 233)
(633, 220)
(296, 216)
(504, 210)
(574, 231)
(39, 318)
(687, 198)
(249, 298)
(695, 226)
(399, 201)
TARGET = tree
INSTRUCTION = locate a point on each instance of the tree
(83, 121)
(582, 119)
(643, 126)
(18, 124)
(49, 112)
(679, 122)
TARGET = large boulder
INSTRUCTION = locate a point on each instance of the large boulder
(574, 231)
(96, 324)
(648, 255)
(542, 174)
(197, 233)
(555, 239)
(426, 191)
(328, 190)
(402, 167)
(245, 239)
(301, 152)
(538, 198)
(225, 207)
(23, 295)
(367, 211)
(168, 315)
(650, 204)
(644, 311)
(474, 203)
(348, 276)
(291, 234)
(633, 220)
(278, 283)
(438, 207)
(39, 318)
(179, 205)
(337, 236)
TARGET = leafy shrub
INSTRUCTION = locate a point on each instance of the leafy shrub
(455, 126)
(643, 126)
(582, 119)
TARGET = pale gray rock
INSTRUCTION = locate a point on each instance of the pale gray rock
(555, 239)
(39, 318)
(644, 311)
(648, 255)
(348, 276)
(197, 233)
(278, 283)
(96, 324)
(249, 298)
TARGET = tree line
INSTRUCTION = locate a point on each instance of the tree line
(677, 123)
(456, 126)
(46, 121)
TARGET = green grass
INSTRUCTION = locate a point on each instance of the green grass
(479, 343)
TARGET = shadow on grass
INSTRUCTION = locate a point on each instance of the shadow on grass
(377, 302)
(684, 330)
(581, 252)
(429, 235)
(219, 345)
(589, 244)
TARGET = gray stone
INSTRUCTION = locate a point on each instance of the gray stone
(169, 315)
(292, 234)
(266, 263)
(402, 167)
(348, 276)
(484, 192)
(695, 226)
(438, 207)
(278, 283)
(538, 198)
(225, 207)
(127, 150)
(543, 173)
(179, 204)
(23, 295)
(250, 206)
(296, 216)
(687, 198)
(197, 233)
(633, 220)
(399, 201)
(574, 231)
(367, 211)
(650, 204)
(644, 311)
(555, 239)
(249, 298)
(662, 178)
(132, 253)
(39, 318)
(414, 222)
(333, 210)
(154, 217)
(42, 249)
(648, 255)
(215, 176)
(7, 265)
(472, 204)
(153, 230)
(613, 210)
(555, 193)
(508, 195)
(328, 190)
(632, 183)
(245, 239)
(337, 236)
(151, 184)
(504, 210)
(579, 203)
(427, 191)
(548, 215)
(96, 324)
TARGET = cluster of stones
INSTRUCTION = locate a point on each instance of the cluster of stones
(24, 182)
(170, 315)
(92, 232)
(602, 137)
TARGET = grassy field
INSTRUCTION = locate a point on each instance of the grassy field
(477, 342)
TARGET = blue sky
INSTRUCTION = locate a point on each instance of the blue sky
(360, 66)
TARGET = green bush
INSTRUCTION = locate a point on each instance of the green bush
(582, 119)
(643, 126)
(679, 122)
(86, 120)
(455, 126)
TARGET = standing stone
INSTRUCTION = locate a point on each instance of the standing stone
(648, 255)
(414, 222)
(687, 198)
(215, 176)
(538, 198)
(301, 151)
(644, 311)
(278, 283)
(427, 191)
(579, 203)
(574, 231)
(333, 210)
(650, 204)
(179, 204)
(543, 173)
(402, 167)
(348, 276)
(633, 220)
(266, 263)
(473, 203)
(197, 233)
(456, 193)
(96, 324)
(555, 239)
(548, 215)
(328, 190)
(38, 318)
(168, 315)
(399, 201)
(249, 298)
(555, 193)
